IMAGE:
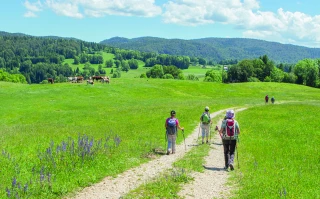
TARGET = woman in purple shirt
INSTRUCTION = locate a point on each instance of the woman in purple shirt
(172, 125)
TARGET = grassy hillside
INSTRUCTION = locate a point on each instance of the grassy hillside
(40, 122)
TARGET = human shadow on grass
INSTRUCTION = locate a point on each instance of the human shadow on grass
(214, 168)
(159, 151)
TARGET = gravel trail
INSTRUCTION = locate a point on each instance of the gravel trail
(206, 185)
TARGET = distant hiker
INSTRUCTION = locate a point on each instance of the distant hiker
(205, 124)
(172, 125)
(272, 100)
(229, 132)
(266, 98)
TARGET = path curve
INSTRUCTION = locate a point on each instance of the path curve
(113, 188)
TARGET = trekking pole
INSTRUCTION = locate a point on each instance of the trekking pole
(217, 129)
(198, 132)
(237, 157)
(166, 141)
(185, 147)
(210, 132)
(238, 140)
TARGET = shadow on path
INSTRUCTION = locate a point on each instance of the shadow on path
(214, 168)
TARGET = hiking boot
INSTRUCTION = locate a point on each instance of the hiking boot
(231, 167)
(207, 142)
(225, 168)
(168, 152)
(202, 142)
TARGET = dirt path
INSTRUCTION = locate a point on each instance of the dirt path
(210, 183)
(130, 179)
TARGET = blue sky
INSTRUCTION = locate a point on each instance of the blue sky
(285, 21)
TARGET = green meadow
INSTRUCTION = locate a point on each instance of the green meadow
(192, 70)
(56, 138)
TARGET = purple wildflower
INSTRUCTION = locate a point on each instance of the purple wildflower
(14, 182)
(8, 192)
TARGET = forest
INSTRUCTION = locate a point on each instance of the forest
(29, 59)
(217, 50)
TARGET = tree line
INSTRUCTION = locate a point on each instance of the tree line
(262, 69)
(39, 58)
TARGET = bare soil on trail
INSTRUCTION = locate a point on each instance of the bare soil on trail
(212, 182)
(209, 184)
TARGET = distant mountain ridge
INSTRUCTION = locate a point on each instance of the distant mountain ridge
(217, 49)
(3, 33)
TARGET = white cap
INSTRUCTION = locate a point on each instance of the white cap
(230, 114)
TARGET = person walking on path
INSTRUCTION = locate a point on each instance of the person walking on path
(205, 124)
(229, 132)
(172, 125)
(272, 100)
(266, 98)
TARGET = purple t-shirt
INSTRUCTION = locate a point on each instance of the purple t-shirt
(177, 121)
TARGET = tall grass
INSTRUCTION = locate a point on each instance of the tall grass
(133, 110)
(278, 151)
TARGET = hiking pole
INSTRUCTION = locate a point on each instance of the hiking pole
(185, 147)
(217, 129)
(166, 142)
(238, 140)
(210, 132)
(237, 156)
(198, 132)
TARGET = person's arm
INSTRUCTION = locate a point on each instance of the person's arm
(221, 131)
(178, 125)
(238, 128)
(222, 128)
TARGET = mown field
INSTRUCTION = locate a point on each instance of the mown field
(57, 138)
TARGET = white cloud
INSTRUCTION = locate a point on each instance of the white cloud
(296, 28)
(281, 26)
(29, 14)
(141, 8)
(99, 8)
(68, 9)
(189, 12)
(32, 8)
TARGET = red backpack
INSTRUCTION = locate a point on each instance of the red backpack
(230, 130)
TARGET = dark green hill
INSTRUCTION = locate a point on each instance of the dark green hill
(217, 49)
(3, 33)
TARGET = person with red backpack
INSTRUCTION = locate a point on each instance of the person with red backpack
(229, 132)
(266, 98)
(205, 124)
(172, 125)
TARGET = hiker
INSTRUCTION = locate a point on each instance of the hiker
(205, 124)
(229, 132)
(172, 125)
(272, 100)
(266, 98)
